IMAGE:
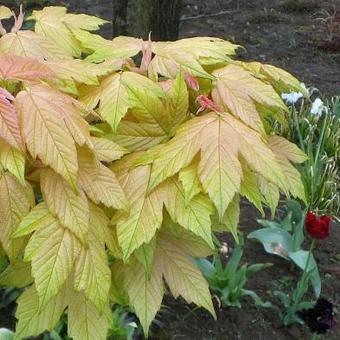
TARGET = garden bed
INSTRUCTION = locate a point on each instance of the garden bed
(180, 321)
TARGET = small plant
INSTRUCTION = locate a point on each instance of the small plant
(285, 238)
(122, 326)
(228, 281)
(296, 309)
(328, 33)
(315, 127)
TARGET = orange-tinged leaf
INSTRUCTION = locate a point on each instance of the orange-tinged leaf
(182, 276)
(46, 133)
(238, 91)
(72, 209)
(16, 201)
(106, 150)
(287, 149)
(29, 44)
(145, 215)
(9, 124)
(20, 68)
(100, 183)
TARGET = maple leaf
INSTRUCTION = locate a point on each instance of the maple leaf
(112, 98)
(52, 261)
(106, 150)
(145, 293)
(100, 183)
(16, 201)
(13, 161)
(17, 274)
(32, 320)
(38, 217)
(285, 152)
(220, 138)
(189, 55)
(5, 13)
(238, 91)
(92, 273)
(73, 210)
(51, 125)
(29, 44)
(139, 136)
(182, 276)
(105, 50)
(85, 322)
(20, 68)
(54, 23)
(9, 125)
(145, 211)
(70, 73)
(171, 261)
(280, 79)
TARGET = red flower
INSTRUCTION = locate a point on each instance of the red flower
(317, 227)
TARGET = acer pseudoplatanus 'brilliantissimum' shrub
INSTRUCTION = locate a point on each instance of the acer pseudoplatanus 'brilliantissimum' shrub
(101, 156)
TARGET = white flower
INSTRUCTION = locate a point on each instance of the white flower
(292, 97)
(317, 107)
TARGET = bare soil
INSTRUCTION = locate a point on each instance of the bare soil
(180, 321)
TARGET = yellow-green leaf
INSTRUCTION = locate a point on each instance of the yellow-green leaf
(32, 321)
(193, 216)
(238, 90)
(72, 209)
(38, 217)
(190, 180)
(112, 97)
(13, 161)
(182, 276)
(107, 150)
(16, 275)
(16, 201)
(92, 273)
(53, 262)
(145, 215)
(145, 292)
(100, 183)
(5, 13)
(30, 44)
(85, 322)
(53, 23)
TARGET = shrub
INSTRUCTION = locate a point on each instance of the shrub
(111, 173)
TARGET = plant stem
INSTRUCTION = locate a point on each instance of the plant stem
(321, 141)
(296, 121)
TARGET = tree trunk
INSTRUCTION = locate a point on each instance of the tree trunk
(139, 17)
